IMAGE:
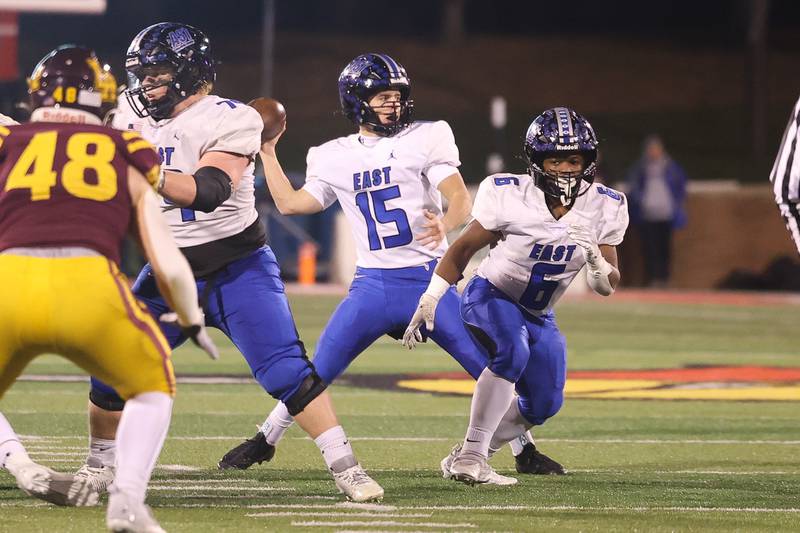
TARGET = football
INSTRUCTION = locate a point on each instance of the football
(272, 113)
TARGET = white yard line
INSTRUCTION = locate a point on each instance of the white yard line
(220, 487)
(385, 523)
(35, 438)
(342, 514)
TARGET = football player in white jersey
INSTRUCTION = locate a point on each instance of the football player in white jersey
(389, 177)
(208, 145)
(542, 229)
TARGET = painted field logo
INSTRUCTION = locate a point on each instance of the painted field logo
(749, 383)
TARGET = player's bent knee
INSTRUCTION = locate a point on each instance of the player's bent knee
(538, 412)
(108, 400)
(311, 387)
(510, 363)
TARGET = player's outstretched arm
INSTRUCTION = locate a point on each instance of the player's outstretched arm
(288, 200)
(447, 273)
(172, 271)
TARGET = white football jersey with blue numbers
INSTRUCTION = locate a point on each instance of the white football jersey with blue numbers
(210, 124)
(535, 260)
(384, 184)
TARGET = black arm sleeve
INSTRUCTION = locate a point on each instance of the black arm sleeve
(214, 186)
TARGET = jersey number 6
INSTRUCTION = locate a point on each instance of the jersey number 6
(539, 290)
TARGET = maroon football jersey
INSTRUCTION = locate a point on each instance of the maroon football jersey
(67, 185)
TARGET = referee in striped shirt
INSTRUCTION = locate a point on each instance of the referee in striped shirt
(785, 176)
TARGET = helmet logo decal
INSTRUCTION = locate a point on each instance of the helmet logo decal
(179, 39)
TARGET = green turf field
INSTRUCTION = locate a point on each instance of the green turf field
(646, 465)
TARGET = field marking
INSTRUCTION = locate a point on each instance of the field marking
(342, 514)
(34, 438)
(218, 487)
(704, 472)
(387, 523)
(393, 508)
(179, 468)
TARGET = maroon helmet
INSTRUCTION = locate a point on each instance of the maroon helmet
(69, 77)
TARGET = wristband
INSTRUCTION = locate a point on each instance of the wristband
(437, 287)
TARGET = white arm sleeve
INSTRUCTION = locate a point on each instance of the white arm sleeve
(315, 185)
(443, 154)
(169, 265)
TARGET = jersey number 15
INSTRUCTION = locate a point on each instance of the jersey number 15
(384, 216)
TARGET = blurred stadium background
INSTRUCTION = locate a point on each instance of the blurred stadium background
(716, 79)
(681, 409)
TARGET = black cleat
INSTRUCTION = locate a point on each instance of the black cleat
(532, 461)
(245, 455)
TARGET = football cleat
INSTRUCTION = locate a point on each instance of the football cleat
(356, 484)
(125, 516)
(251, 451)
(532, 461)
(492, 478)
(96, 475)
(469, 471)
(51, 486)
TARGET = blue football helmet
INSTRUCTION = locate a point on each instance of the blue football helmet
(561, 131)
(367, 75)
(167, 47)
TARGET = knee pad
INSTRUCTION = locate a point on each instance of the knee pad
(537, 411)
(105, 397)
(311, 387)
(511, 358)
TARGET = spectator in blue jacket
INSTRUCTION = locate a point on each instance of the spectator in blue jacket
(657, 192)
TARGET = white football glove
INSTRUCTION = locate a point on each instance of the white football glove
(197, 332)
(598, 269)
(586, 239)
(426, 311)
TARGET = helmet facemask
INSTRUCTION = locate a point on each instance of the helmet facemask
(566, 186)
(139, 94)
(372, 118)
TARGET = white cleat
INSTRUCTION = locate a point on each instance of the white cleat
(97, 476)
(356, 484)
(125, 516)
(471, 472)
(51, 486)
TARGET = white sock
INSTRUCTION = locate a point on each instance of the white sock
(511, 426)
(140, 436)
(276, 424)
(519, 443)
(103, 449)
(10, 443)
(490, 402)
(336, 449)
